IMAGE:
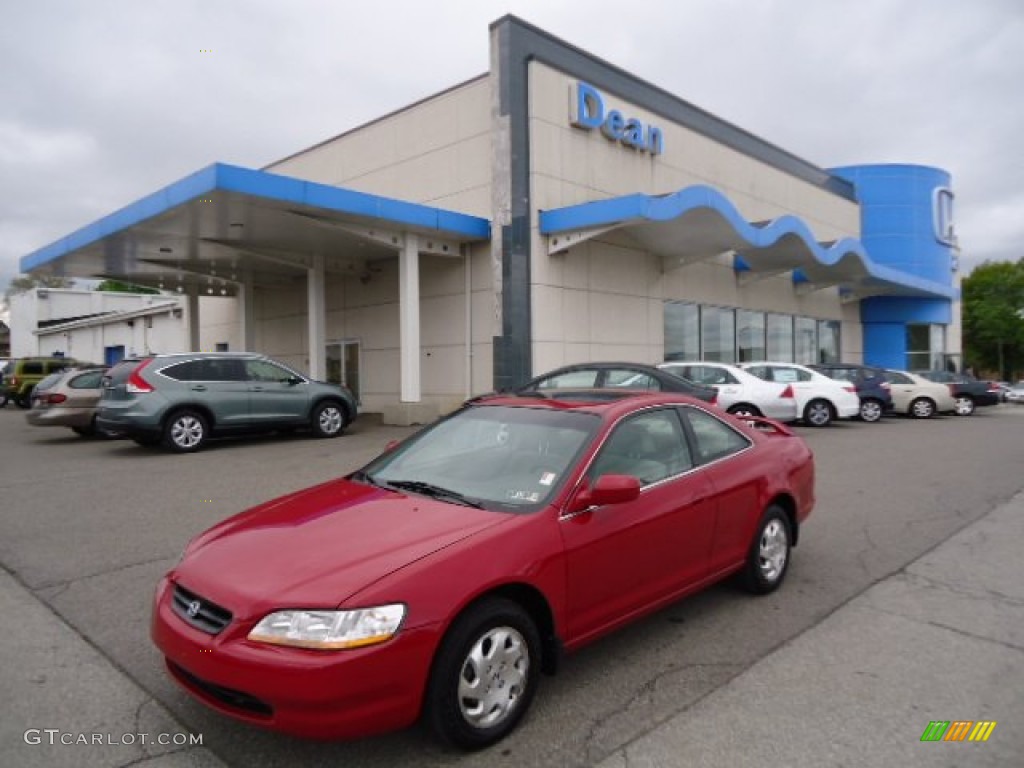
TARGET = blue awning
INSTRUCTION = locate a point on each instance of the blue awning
(242, 218)
(699, 222)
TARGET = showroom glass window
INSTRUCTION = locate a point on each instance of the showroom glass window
(828, 341)
(718, 334)
(682, 331)
(779, 340)
(750, 330)
(805, 333)
(919, 347)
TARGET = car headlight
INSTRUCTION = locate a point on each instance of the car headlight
(330, 630)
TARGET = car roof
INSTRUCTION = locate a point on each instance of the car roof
(604, 402)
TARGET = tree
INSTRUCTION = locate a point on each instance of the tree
(116, 286)
(993, 317)
(23, 283)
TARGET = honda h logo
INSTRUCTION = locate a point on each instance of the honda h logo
(193, 609)
(942, 215)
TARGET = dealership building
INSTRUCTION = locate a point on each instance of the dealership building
(555, 209)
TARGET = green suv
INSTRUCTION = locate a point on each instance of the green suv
(22, 374)
(182, 400)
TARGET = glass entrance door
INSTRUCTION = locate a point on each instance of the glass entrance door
(343, 365)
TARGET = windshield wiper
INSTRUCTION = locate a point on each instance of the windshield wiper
(429, 489)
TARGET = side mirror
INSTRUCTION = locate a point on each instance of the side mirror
(609, 489)
(294, 380)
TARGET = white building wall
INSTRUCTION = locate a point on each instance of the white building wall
(219, 324)
(603, 299)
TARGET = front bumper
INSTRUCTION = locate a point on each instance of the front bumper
(314, 694)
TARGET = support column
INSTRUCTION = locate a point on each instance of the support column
(409, 318)
(246, 309)
(316, 307)
(192, 319)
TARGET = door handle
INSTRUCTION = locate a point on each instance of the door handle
(198, 388)
(255, 389)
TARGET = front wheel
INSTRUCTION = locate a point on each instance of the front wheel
(328, 419)
(185, 432)
(922, 408)
(768, 558)
(485, 675)
(818, 413)
(964, 405)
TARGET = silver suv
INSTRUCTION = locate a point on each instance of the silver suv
(182, 400)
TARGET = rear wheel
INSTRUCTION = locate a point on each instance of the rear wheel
(768, 558)
(871, 411)
(818, 413)
(24, 400)
(964, 405)
(744, 409)
(185, 432)
(922, 408)
(485, 674)
(328, 419)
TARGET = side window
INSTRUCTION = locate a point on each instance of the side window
(803, 375)
(264, 370)
(898, 378)
(217, 369)
(715, 440)
(88, 380)
(650, 446)
(627, 379)
(181, 371)
(570, 380)
(32, 369)
(761, 371)
(785, 375)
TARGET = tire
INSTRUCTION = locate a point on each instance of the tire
(770, 551)
(922, 408)
(871, 411)
(818, 413)
(185, 431)
(484, 676)
(329, 419)
(964, 405)
(24, 400)
(744, 409)
(87, 431)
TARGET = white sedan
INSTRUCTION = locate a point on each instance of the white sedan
(739, 392)
(916, 396)
(819, 398)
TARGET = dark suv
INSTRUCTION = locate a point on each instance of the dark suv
(871, 384)
(967, 391)
(181, 400)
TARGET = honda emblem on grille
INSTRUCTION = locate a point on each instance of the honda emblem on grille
(193, 608)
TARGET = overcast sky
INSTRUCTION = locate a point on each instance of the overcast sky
(105, 101)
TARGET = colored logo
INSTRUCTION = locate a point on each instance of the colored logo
(942, 215)
(587, 111)
(958, 730)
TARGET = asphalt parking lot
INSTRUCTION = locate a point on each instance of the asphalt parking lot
(90, 525)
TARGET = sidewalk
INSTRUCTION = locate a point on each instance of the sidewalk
(53, 679)
(941, 640)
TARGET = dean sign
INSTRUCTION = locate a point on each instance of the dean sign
(587, 110)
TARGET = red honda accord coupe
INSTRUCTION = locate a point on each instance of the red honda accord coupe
(445, 576)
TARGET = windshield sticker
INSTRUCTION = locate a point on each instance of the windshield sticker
(531, 496)
(547, 478)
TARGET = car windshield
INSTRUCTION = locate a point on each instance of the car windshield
(49, 381)
(504, 458)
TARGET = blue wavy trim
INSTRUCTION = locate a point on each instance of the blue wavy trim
(848, 253)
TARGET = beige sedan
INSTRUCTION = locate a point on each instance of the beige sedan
(918, 397)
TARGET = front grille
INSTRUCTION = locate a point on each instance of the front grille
(227, 696)
(199, 612)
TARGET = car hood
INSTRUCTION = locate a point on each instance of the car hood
(317, 547)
